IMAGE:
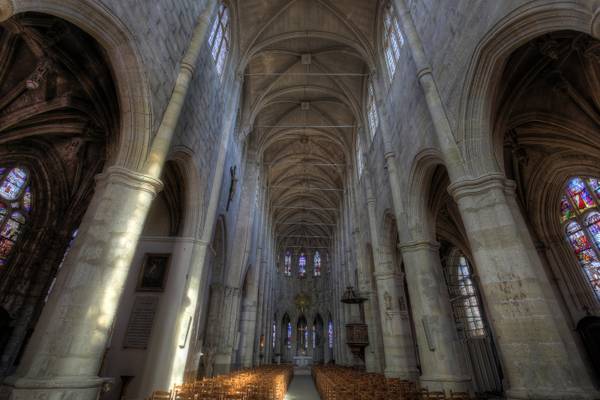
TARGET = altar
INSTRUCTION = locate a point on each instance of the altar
(303, 361)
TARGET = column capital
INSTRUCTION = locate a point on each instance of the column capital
(483, 184)
(388, 155)
(7, 9)
(135, 180)
(419, 245)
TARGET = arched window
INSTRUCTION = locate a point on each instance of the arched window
(372, 114)
(317, 263)
(287, 263)
(274, 334)
(330, 334)
(289, 335)
(581, 222)
(302, 265)
(464, 297)
(15, 206)
(219, 39)
(392, 40)
(359, 157)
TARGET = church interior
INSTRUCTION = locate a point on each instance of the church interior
(299, 199)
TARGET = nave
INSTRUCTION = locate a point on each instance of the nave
(204, 198)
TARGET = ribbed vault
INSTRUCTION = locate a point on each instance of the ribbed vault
(305, 64)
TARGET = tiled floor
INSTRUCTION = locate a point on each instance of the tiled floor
(302, 388)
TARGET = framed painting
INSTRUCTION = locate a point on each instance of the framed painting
(153, 274)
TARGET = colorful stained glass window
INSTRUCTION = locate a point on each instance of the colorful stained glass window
(317, 263)
(392, 40)
(580, 195)
(287, 263)
(566, 210)
(330, 334)
(220, 38)
(289, 335)
(302, 265)
(13, 184)
(582, 226)
(306, 338)
(592, 222)
(15, 205)
(594, 185)
(3, 212)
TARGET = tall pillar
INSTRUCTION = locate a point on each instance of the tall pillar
(64, 355)
(373, 352)
(443, 365)
(229, 311)
(63, 358)
(248, 318)
(539, 356)
(397, 341)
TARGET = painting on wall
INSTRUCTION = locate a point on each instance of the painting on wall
(154, 273)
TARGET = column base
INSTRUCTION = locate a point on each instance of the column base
(445, 383)
(60, 388)
(222, 364)
(550, 394)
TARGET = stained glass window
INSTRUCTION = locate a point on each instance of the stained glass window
(330, 334)
(372, 114)
(302, 265)
(220, 38)
(287, 263)
(464, 298)
(274, 334)
(317, 263)
(581, 218)
(15, 206)
(580, 194)
(289, 335)
(314, 337)
(306, 337)
(392, 40)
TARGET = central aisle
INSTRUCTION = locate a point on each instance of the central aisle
(302, 388)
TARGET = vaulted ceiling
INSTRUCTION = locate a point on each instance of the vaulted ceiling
(305, 64)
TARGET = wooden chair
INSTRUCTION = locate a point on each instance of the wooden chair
(161, 395)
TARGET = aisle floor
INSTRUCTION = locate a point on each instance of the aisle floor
(302, 388)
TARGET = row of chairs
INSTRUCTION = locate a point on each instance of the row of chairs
(262, 383)
(341, 383)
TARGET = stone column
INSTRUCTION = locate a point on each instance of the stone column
(443, 365)
(539, 356)
(64, 355)
(397, 341)
(444, 136)
(229, 311)
(249, 317)
(373, 352)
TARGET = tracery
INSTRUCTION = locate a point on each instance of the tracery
(15, 206)
(581, 223)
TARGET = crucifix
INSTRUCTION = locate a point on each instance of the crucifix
(232, 185)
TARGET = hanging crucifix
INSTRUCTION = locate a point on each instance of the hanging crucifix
(232, 185)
